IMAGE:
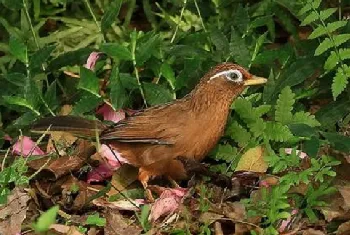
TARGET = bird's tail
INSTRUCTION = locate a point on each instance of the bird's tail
(77, 126)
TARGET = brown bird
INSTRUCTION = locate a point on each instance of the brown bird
(154, 138)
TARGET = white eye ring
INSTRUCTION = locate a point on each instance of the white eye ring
(233, 75)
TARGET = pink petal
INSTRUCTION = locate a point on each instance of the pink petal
(286, 222)
(114, 160)
(102, 172)
(7, 137)
(25, 146)
(110, 115)
(301, 154)
(168, 202)
(91, 61)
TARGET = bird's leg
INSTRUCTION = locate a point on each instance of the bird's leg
(144, 177)
(173, 182)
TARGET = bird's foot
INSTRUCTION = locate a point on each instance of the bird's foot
(144, 177)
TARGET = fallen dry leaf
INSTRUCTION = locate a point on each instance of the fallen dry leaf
(55, 168)
(64, 229)
(14, 212)
(312, 231)
(62, 140)
(126, 205)
(116, 224)
(252, 160)
(344, 229)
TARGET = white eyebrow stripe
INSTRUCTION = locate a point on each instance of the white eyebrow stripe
(224, 73)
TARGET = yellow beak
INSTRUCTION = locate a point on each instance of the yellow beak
(255, 80)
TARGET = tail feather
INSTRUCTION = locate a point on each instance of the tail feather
(76, 125)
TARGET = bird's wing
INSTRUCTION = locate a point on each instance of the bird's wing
(157, 125)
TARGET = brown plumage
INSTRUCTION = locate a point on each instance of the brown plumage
(190, 127)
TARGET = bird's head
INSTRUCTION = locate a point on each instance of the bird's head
(232, 75)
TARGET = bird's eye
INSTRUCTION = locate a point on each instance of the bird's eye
(234, 75)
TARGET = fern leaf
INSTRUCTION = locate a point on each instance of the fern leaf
(313, 16)
(262, 109)
(283, 113)
(226, 152)
(278, 132)
(305, 118)
(323, 47)
(305, 9)
(257, 128)
(340, 80)
(245, 110)
(333, 59)
(341, 38)
(315, 3)
(331, 27)
(325, 14)
(238, 134)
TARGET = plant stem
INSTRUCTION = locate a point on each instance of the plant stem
(88, 5)
(178, 23)
(133, 52)
(25, 7)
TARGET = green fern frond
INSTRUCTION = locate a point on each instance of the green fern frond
(226, 152)
(245, 110)
(305, 118)
(238, 134)
(312, 17)
(333, 59)
(340, 80)
(323, 30)
(284, 107)
(278, 132)
(328, 43)
(325, 14)
(257, 128)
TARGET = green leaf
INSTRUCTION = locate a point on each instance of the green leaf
(15, 100)
(238, 133)
(315, 3)
(110, 14)
(70, 58)
(302, 130)
(168, 73)
(305, 9)
(226, 152)
(87, 103)
(325, 14)
(13, 4)
(88, 81)
(219, 39)
(277, 132)
(313, 16)
(305, 118)
(284, 106)
(156, 94)
(41, 56)
(339, 142)
(18, 50)
(340, 80)
(239, 50)
(95, 219)
(51, 96)
(245, 110)
(116, 50)
(331, 27)
(146, 49)
(328, 43)
(333, 59)
(46, 219)
(118, 93)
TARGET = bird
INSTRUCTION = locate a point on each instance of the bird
(154, 138)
